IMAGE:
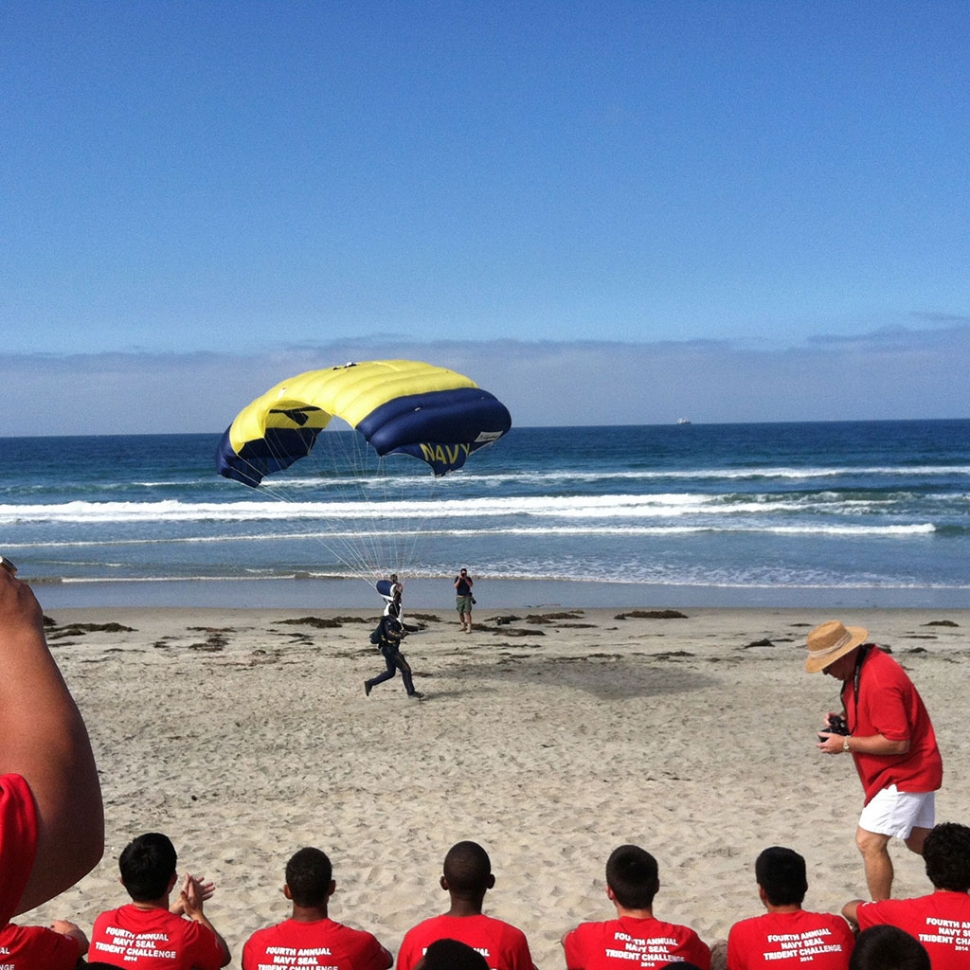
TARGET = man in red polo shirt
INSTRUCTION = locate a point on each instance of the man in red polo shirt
(885, 727)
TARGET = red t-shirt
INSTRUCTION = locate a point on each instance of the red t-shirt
(890, 705)
(293, 945)
(37, 948)
(940, 921)
(628, 942)
(18, 841)
(502, 945)
(153, 939)
(822, 941)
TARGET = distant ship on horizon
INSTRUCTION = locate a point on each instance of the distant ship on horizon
(683, 420)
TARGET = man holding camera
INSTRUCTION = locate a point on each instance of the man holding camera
(885, 727)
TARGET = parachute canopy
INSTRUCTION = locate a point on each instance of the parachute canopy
(400, 407)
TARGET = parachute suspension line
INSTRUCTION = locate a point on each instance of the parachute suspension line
(377, 532)
(340, 536)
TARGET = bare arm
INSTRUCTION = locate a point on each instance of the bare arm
(851, 911)
(43, 739)
(67, 928)
(874, 744)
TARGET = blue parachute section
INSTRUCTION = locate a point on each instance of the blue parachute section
(441, 428)
(274, 452)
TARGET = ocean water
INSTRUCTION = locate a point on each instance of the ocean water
(867, 513)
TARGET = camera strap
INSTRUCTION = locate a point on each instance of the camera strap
(856, 679)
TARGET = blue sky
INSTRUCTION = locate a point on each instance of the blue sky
(606, 212)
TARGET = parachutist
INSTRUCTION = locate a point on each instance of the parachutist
(389, 635)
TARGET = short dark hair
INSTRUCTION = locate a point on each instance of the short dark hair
(781, 874)
(309, 874)
(631, 872)
(451, 955)
(147, 865)
(467, 869)
(886, 947)
(946, 854)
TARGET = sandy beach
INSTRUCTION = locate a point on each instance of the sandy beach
(548, 737)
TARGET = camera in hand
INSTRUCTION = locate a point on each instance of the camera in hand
(837, 725)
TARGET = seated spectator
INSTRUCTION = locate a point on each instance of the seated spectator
(309, 930)
(941, 920)
(51, 815)
(787, 935)
(57, 948)
(148, 933)
(888, 948)
(632, 882)
(466, 878)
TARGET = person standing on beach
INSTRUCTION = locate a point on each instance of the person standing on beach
(885, 727)
(467, 877)
(464, 600)
(632, 881)
(820, 941)
(389, 632)
(148, 932)
(297, 941)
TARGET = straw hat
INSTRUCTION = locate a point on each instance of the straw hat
(828, 642)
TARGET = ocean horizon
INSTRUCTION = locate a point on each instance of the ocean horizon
(833, 514)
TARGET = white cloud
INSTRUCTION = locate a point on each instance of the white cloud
(887, 374)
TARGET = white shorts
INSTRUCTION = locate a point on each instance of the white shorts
(897, 813)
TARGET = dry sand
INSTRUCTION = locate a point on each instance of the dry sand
(549, 739)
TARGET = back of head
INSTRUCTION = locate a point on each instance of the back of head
(147, 865)
(946, 853)
(888, 948)
(631, 872)
(452, 955)
(781, 874)
(309, 874)
(468, 870)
